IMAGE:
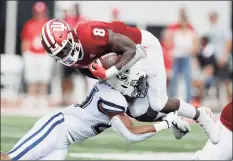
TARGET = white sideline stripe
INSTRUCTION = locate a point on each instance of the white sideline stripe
(135, 156)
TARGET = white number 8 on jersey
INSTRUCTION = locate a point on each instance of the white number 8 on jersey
(98, 32)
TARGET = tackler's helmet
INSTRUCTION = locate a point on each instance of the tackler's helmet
(131, 82)
(60, 42)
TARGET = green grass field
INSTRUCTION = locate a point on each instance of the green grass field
(13, 128)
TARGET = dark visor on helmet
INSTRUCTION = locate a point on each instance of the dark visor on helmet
(66, 51)
(70, 54)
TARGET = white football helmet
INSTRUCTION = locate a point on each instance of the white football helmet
(131, 82)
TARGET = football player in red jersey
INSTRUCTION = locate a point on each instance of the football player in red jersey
(222, 150)
(81, 46)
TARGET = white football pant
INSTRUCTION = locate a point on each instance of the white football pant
(155, 69)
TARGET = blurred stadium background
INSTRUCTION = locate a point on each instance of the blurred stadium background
(24, 100)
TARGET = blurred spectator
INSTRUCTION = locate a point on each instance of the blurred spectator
(185, 44)
(206, 62)
(182, 15)
(115, 14)
(73, 18)
(38, 66)
(221, 38)
(166, 43)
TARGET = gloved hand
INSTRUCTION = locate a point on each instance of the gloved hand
(101, 73)
(169, 118)
(180, 128)
(97, 70)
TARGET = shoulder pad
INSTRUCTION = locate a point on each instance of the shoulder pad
(110, 108)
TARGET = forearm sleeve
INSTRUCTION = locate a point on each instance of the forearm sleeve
(120, 128)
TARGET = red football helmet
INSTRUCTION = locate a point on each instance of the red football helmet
(60, 42)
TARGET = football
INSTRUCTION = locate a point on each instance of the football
(108, 60)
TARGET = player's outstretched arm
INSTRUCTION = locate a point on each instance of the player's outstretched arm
(124, 126)
(130, 52)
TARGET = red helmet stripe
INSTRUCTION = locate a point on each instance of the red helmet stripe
(47, 36)
(44, 37)
(51, 38)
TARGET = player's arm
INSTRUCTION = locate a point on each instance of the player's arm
(124, 126)
(130, 52)
(142, 129)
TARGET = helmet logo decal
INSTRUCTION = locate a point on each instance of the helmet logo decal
(58, 26)
(123, 78)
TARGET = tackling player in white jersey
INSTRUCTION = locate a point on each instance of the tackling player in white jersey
(105, 107)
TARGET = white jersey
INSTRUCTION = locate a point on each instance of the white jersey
(92, 116)
(52, 134)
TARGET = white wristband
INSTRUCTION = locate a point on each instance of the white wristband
(113, 71)
(160, 126)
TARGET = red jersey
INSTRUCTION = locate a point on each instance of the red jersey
(226, 116)
(94, 37)
(31, 32)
